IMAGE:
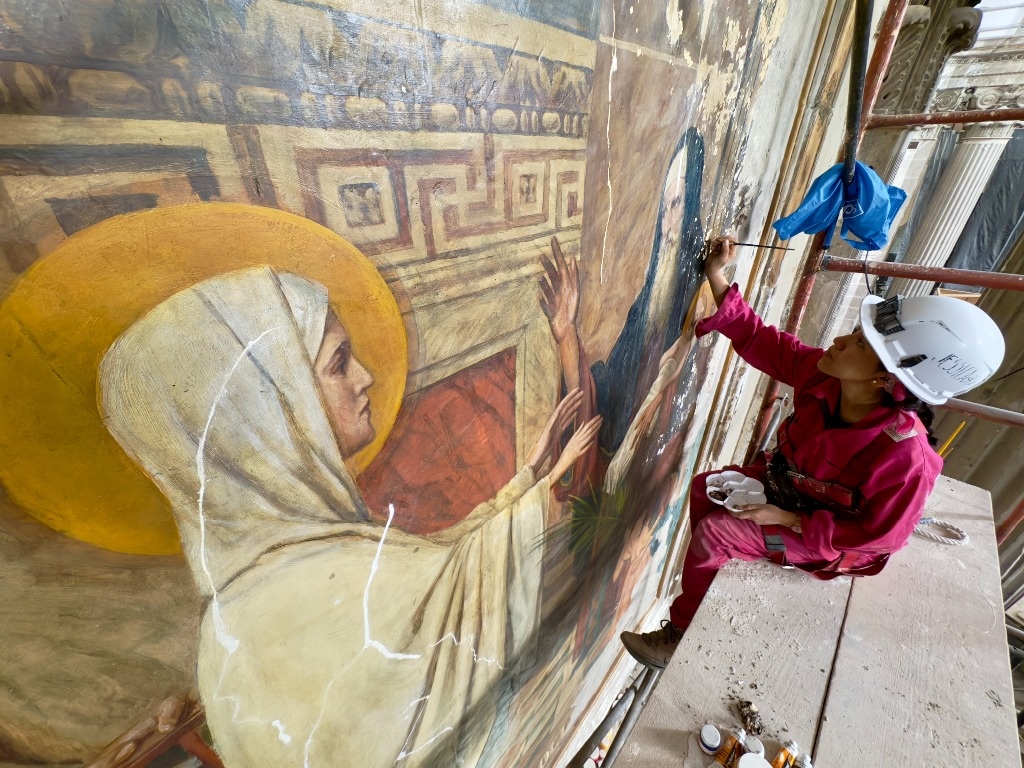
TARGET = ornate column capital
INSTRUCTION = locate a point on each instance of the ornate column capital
(962, 99)
(992, 132)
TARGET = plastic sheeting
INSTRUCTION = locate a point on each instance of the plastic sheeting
(945, 143)
(997, 222)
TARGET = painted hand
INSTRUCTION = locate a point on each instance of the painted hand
(644, 420)
(768, 514)
(561, 419)
(579, 444)
(560, 292)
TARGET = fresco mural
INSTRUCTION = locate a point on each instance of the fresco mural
(282, 546)
(349, 374)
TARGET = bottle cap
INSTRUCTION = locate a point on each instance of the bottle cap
(754, 745)
(710, 739)
(804, 761)
(752, 761)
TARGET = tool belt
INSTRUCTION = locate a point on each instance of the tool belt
(796, 492)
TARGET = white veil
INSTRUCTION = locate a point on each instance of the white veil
(225, 366)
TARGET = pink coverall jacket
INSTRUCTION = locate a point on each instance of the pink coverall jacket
(893, 481)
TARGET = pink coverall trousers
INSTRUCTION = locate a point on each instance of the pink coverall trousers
(716, 538)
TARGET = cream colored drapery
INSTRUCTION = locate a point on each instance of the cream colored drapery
(328, 639)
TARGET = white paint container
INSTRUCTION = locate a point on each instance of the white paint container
(739, 499)
(710, 739)
(754, 746)
(734, 490)
(729, 476)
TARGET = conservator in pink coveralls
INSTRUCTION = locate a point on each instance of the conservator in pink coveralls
(854, 463)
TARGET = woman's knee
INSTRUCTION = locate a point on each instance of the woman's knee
(720, 530)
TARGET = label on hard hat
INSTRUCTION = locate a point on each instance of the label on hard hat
(959, 370)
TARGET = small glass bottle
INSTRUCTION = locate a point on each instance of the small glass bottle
(731, 748)
(786, 758)
(710, 739)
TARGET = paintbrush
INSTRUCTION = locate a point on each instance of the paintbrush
(769, 247)
(709, 244)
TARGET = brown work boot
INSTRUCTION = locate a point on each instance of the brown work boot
(653, 649)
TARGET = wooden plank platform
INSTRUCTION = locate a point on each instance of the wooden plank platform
(906, 668)
(756, 627)
(923, 674)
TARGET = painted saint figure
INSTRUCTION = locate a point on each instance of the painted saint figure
(646, 391)
(616, 387)
(242, 398)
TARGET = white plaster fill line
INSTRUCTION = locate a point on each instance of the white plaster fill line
(414, 702)
(423, 746)
(229, 642)
(639, 50)
(281, 733)
(369, 642)
(608, 145)
(323, 708)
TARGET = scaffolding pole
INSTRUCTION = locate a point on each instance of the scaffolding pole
(1009, 525)
(977, 278)
(945, 118)
(888, 31)
(986, 412)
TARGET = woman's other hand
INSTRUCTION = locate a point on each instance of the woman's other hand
(561, 419)
(560, 292)
(768, 514)
(718, 254)
(579, 444)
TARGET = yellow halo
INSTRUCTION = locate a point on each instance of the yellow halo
(59, 462)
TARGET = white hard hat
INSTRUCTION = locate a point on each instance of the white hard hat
(938, 346)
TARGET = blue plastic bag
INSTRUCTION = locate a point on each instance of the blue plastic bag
(868, 206)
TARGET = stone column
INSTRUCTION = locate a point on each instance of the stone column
(962, 183)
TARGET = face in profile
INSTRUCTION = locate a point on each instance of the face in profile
(851, 357)
(344, 385)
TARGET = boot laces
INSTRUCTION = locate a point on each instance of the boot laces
(667, 634)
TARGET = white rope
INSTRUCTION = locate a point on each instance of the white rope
(959, 534)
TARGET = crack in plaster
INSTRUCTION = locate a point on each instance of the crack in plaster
(608, 142)
(468, 639)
